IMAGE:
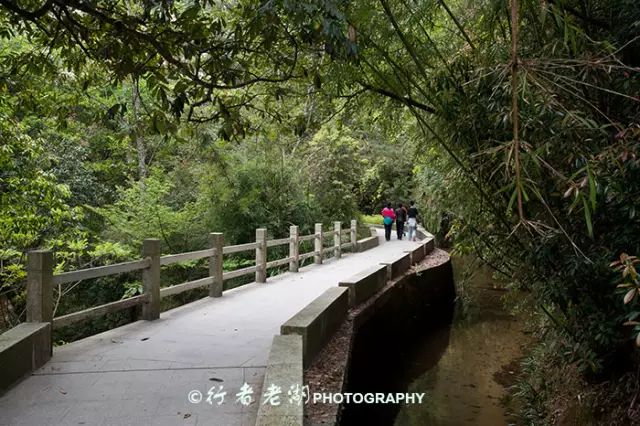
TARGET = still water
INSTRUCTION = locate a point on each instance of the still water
(463, 388)
(459, 363)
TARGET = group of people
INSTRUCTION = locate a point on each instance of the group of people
(400, 216)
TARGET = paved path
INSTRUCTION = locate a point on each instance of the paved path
(141, 373)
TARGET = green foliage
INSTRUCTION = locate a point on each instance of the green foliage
(32, 202)
(254, 189)
(335, 165)
(146, 210)
(33, 205)
(577, 156)
(630, 288)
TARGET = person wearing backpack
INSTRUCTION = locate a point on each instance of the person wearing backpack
(388, 216)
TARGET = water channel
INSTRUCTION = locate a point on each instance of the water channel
(460, 356)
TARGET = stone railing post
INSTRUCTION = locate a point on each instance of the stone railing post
(216, 241)
(354, 236)
(294, 248)
(337, 239)
(151, 279)
(318, 244)
(40, 286)
(261, 255)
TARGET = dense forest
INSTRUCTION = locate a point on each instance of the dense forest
(515, 125)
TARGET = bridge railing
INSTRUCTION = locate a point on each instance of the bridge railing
(41, 279)
(28, 346)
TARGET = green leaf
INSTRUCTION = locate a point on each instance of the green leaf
(592, 188)
(587, 217)
(512, 199)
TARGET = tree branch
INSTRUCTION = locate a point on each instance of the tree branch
(404, 99)
(31, 16)
(458, 24)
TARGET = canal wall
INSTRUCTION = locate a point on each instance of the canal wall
(420, 297)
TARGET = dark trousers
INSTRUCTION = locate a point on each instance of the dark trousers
(400, 228)
(387, 232)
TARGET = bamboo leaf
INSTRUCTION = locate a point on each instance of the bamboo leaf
(587, 217)
(524, 193)
(592, 189)
(576, 200)
(577, 173)
(513, 199)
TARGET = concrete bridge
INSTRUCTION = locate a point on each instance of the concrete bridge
(201, 363)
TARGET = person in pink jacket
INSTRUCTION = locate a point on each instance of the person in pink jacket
(388, 216)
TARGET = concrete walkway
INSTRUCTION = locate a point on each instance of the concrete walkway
(142, 373)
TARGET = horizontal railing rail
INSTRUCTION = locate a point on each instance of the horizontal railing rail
(107, 308)
(189, 285)
(100, 271)
(183, 257)
(307, 255)
(279, 262)
(239, 272)
(239, 248)
(281, 241)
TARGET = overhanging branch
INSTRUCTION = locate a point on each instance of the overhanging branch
(31, 16)
(404, 99)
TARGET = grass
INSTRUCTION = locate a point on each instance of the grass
(373, 219)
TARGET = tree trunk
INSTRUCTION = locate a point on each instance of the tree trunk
(136, 135)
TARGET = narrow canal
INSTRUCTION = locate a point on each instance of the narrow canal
(461, 356)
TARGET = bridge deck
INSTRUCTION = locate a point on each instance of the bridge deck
(141, 373)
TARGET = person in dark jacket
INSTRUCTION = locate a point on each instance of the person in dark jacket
(401, 218)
